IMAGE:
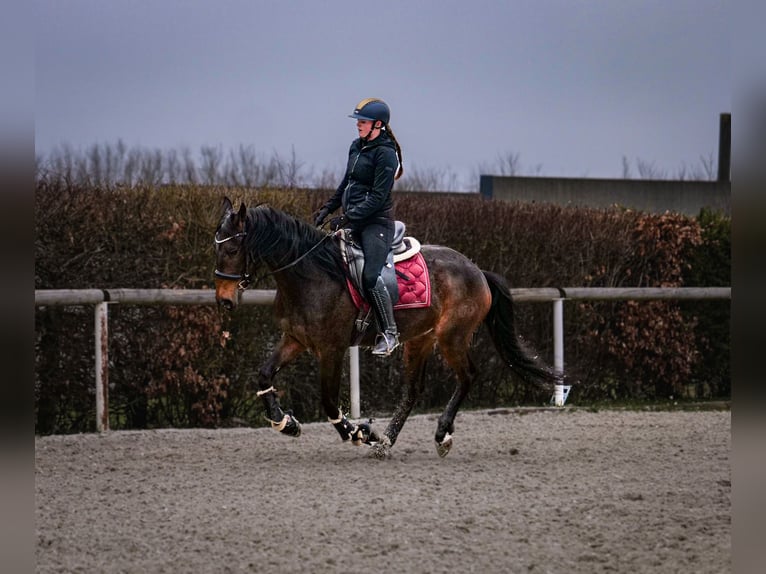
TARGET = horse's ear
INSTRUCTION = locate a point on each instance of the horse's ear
(242, 211)
(227, 206)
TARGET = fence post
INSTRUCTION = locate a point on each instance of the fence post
(353, 359)
(558, 335)
(102, 367)
(560, 392)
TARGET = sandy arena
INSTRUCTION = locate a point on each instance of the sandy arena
(522, 491)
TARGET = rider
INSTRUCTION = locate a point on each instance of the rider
(374, 162)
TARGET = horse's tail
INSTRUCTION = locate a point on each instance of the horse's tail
(500, 322)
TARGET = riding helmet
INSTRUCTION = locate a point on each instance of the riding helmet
(372, 109)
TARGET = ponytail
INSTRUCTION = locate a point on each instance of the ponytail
(400, 169)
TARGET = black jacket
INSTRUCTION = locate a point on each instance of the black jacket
(365, 192)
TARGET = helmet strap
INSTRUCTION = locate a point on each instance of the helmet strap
(372, 129)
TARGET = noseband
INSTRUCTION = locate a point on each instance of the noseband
(244, 278)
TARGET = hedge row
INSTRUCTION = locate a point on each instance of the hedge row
(169, 366)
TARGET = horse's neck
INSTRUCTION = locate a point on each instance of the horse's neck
(293, 290)
(279, 255)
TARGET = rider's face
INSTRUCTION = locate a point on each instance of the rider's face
(364, 127)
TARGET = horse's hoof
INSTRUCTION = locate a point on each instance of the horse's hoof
(443, 447)
(293, 427)
(363, 434)
(381, 450)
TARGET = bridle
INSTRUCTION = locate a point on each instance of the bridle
(243, 278)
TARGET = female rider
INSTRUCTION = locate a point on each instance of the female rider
(374, 162)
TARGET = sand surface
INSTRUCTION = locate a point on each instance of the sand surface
(522, 491)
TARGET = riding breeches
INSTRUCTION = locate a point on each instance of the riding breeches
(376, 239)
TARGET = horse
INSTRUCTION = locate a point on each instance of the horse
(315, 313)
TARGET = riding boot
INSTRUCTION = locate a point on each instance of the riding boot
(388, 338)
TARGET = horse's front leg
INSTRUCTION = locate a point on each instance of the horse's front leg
(330, 370)
(287, 349)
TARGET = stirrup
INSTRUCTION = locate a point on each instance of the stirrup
(386, 344)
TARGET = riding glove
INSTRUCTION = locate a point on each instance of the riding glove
(321, 216)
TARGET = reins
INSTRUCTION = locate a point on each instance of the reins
(295, 262)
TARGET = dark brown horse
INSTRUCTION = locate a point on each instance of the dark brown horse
(315, 313)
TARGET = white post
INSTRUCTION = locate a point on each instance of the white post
(558, 335)
(102, 368)
(560, 391)
(353, 360)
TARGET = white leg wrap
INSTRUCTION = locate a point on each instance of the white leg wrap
(264, 391)
(280, 425)
(560, 394)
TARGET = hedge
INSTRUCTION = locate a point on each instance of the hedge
(170, 366)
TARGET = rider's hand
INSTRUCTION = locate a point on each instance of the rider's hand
(337, 222)
(321, 216)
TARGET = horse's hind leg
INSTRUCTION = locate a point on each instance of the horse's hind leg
(457, 357)
(416, 353)
(330, 370)
(287, 349)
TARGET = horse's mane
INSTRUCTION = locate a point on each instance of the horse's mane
(276, 235)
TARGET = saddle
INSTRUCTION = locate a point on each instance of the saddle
(405, 273)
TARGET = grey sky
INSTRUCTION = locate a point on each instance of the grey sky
(570, 86)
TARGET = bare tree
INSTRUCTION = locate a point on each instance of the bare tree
(151, 170)
(94, 165)
(211, 162)
(172, 167)
(63, 163)
(647, 170)
(709, 167)
(249, 168)
(81, 173)
(326, 179)
(132, 167)
(706, 171)
(242, 167)
(625, 168)
(509, 164)
(189, 167)
(428, 179)
(108, 164)
(270, 175)
(288, 171)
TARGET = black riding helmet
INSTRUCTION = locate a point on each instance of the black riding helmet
(372, 109)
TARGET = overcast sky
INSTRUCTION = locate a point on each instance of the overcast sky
(571, 87)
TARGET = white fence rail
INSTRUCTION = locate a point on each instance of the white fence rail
(101, 298)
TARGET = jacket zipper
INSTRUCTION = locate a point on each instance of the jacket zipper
(356, 159)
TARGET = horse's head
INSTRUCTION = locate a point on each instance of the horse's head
(231, 261)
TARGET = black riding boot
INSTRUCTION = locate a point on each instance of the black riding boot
(388, 338)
